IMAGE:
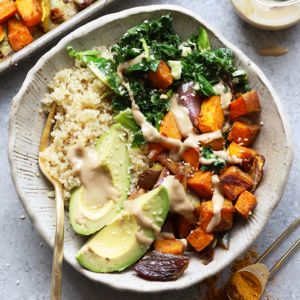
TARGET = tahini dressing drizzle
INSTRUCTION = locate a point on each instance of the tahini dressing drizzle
(225, 97)
(94, 177)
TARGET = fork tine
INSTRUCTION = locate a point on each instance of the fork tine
(45, 135)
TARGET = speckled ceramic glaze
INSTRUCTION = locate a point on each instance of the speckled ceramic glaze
(25, 129)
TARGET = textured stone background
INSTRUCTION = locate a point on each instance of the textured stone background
(20, 242)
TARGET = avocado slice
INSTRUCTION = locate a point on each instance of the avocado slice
(116, 246)
(113, 153)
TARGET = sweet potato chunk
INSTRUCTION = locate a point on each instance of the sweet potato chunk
(162, 78)
(7, 10)
(243, 133)
(172, 246)
(245, 204)
(169, 128)
(184, 228)
(199, 239)
(216, 145)
(244, 105)
(234, 182)
(29, 11)
(201, 183)
(207, 212)
(2, 34)
(240, 151)
(14, 25)
(136, 193)
(21, 38)
(211, 117)
(191, 156)
(154, 149)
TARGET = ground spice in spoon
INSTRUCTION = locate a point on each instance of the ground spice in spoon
(241, 287)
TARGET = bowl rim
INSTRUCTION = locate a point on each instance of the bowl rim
(85, 29)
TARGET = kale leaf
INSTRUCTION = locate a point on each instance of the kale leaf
(215, 166)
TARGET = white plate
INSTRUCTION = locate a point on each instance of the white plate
(26, 126)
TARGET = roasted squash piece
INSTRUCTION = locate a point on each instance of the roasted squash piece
(136, 193)
(245, 204)
(243, 133)
(211, 117)
(154, 149)
(21, 38)
(192, 156)
(216, 145)
(201, 183)
(207, 212)
(184, 228)
(29, 11)
(169, 128)
(7, 10)
(256, 172)
(165, 160)
(171, 246)
(14, 25)
(199, 239)
(2, 34)
(244, 105)
(234, 182)
(241, 152)
(162, 78)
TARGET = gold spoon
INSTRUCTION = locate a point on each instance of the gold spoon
(258, 273)
(59, 223)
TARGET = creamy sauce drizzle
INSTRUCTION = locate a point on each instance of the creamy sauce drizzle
(230, 159)
(94, 177)
(217, 200)
(80, 219)
(178, 199)
(226, 125)
(165, 236)
(142, 239)
(225, 97)
(136, 210)
(272, 51)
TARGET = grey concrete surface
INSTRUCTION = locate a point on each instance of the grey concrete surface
(22, 258)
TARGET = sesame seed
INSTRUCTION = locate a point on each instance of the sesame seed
(41, 244)
(33, 109)
(245, 139)
(22, 217)
(37, 174)
(40, 111)
(261, 123)
(169, 160)
(18, 281)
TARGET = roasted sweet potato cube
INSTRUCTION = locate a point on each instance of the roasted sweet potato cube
(7, 10)
(162, 78)
(172, 246)
(19, 39)
(240, 151)
(245, 204)
(169, 128)
(201, 183)
(243, 133)
(244, 105)
(234, 182)
(192, 156)
(216, 145)
(184, 228)
(211, 117)
(207, 212)
(199, 239)
(14, 25)
(136, 193)
(29, 11)
(154, 149)
(2, 34)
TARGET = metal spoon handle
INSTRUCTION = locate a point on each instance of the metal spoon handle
(58, 245)
(284, 257)
(279, 240)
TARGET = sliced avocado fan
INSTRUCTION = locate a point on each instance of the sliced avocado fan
(116, 246)
(112, 152)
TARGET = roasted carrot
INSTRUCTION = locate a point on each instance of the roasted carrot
(29, 11)
(7, 10)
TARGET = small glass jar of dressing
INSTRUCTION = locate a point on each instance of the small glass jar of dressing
(268, 14)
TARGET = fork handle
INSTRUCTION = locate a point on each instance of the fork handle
(58, 244)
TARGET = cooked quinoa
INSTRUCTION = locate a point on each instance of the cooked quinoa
(81, 118)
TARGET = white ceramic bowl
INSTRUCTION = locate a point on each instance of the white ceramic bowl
(26, 126)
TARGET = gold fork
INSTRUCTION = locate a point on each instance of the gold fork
(59, 223)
